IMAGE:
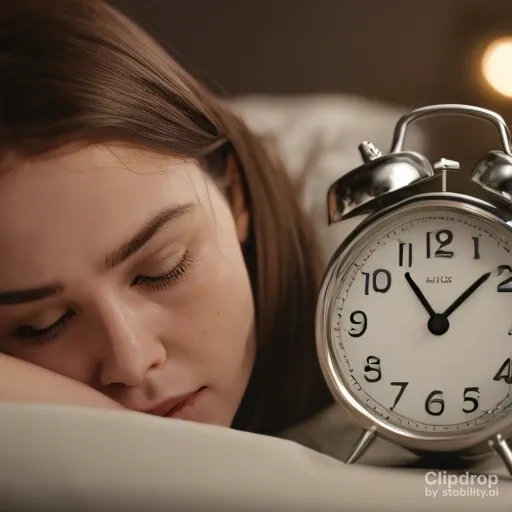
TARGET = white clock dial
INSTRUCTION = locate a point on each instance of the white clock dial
(421, 324)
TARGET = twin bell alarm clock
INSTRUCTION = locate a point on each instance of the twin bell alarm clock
(414, 316)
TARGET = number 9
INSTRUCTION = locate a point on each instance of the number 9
(358, 318)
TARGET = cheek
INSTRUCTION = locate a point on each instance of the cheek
(214, 310)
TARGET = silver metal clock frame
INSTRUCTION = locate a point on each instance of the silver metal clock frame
(370, 192)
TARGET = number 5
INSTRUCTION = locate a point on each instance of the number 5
(471, 399)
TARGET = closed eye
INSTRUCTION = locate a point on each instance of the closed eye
(176, 275)
(31, 336)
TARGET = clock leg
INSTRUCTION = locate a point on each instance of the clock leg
(361, 446)
(503, 449)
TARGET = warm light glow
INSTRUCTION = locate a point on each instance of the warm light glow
(497, 65)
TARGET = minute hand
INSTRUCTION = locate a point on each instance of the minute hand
(466, 294)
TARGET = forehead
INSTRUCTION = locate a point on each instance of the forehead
(87, 181)
(100, 170)
(98, 194)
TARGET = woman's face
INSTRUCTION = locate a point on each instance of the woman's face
(123, 270)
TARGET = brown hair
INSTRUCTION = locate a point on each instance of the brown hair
(79, 71)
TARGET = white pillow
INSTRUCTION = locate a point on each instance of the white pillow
(56, 457)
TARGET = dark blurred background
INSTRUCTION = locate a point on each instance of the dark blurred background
(404, 52)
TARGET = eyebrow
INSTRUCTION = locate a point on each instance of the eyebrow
(148, 231)
(139, 240)
(30, 295)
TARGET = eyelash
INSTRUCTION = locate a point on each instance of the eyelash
(172, 278)
(38, 337)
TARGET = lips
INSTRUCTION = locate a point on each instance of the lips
(174, 405)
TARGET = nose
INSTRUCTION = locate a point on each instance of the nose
(131, 346)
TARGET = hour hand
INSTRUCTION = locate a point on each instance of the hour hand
(419, 294)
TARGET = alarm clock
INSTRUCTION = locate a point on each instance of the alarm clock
(414, 315)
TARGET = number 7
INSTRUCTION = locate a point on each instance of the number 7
(402, 386)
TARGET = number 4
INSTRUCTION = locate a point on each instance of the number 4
(505, 372)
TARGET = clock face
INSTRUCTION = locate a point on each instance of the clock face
(421, 323)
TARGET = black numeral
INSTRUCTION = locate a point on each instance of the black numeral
(372, 368)
(444, 237)
(405, 254)
(473, 400)
(434, 404)
(432, 400)
(506, 284)
(360, 319)
(476, 247)
(403, 386)
(505, 372)
(380, 281)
